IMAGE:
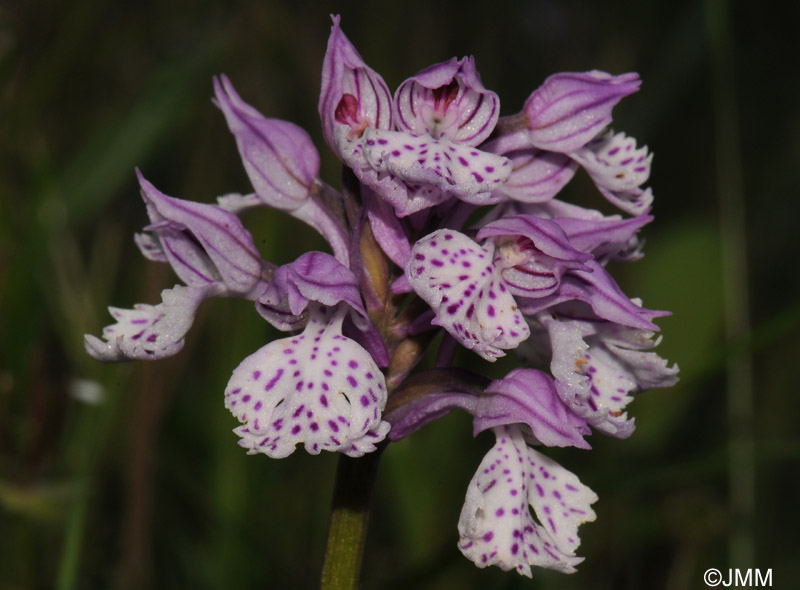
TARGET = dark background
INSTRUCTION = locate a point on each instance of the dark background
(147, 488)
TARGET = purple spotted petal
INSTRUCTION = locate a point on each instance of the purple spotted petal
(150, 332)
(203, 243)
(458, 279)
(570, 109)
(313, 277)
(532, 254)
(279, 157)
(353, 95)
(527, 396)
(496, 526)
(614, 162)
(430, 170)
(448, 101)
(536, 175)
(318, 389)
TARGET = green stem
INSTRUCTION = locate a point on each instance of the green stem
(347, 531)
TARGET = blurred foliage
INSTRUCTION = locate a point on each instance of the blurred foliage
(129, 477)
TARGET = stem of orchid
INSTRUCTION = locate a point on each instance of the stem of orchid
(347, 531)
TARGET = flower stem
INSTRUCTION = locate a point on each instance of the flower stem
(347, 531)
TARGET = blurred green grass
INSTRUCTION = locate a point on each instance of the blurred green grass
(148, 489)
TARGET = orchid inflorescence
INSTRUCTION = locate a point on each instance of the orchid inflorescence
(447, 224)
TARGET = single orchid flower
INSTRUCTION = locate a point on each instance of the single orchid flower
(598, 364)
(209, 249)
(441, 114)
(472, 287)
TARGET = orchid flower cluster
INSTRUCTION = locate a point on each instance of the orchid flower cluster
(447, 232)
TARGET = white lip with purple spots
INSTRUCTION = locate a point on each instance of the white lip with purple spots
(318, 388)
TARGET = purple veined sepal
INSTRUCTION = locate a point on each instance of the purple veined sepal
(598, 364)
(354, 99)
(283, 166)
(618, 168)
(447, 101)
(313, 277)
(524, 396)
(353, 96)
(203, 243)
(570, 109)
(279, 157)
(151, 332)
(606, 238)
(317, 277)
(529, 397)
(532, 254)
(429, 395)
(591, 284)
(595, 287)
(536, 175)
(317, 388)
(496, 526)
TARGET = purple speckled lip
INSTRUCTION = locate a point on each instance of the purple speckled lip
(449, 233)
(496, 526)
(318, 388)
